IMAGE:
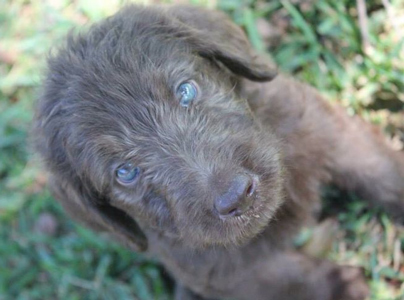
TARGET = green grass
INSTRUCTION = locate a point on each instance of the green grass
(44, 255)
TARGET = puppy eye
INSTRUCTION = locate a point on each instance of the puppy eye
(127, 173)
(186, 93)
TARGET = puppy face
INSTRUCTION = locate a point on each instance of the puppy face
(141, 126)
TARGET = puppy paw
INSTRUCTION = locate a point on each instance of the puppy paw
(396, 211)
(349, 283)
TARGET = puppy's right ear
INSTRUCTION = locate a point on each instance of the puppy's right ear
(212, 34)
(97, 214)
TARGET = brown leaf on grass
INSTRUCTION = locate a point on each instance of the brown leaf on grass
(7, 57)
(270, 33)
(46, 224)
(322, 238)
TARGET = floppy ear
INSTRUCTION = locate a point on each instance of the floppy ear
(214, 35)
(85, 207)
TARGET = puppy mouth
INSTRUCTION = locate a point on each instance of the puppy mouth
(239, 229)
(229, 227)
(252, 212)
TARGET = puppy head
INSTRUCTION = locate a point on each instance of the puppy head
(142, 127)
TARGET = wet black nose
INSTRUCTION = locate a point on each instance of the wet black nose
(238, 197)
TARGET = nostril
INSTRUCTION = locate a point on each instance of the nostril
(226, 208)
(233, 212)
(250, 189)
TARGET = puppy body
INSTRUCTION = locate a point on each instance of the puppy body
(110, 98)
(320, 140)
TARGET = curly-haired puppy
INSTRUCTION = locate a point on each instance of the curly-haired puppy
(162, 126)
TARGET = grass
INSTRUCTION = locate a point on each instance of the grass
(44, 255)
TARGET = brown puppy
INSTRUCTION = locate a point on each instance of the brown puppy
(162, 126)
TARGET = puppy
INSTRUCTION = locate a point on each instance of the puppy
(162, 126)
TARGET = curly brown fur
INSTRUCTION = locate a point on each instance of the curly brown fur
(109, 98)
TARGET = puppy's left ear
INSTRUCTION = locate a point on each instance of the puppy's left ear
(214, 35)
(86, 207)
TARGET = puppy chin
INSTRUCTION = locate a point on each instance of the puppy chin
(232, 232)
(247, 226)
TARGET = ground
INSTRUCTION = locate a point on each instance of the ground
(351, 51)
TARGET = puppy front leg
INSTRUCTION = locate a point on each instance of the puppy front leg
(362, 162)
(294, 276)
(183, 293)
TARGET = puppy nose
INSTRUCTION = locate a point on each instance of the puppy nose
(238, 197)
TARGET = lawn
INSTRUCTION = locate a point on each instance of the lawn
(353, 56)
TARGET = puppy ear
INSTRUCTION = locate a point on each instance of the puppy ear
(214, 35)
(97, 214)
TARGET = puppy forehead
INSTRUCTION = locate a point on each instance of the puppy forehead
(121, 78)
(132, 112)
(137, 44)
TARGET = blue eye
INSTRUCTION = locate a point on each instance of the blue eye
(186, 92)
(127, 173)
